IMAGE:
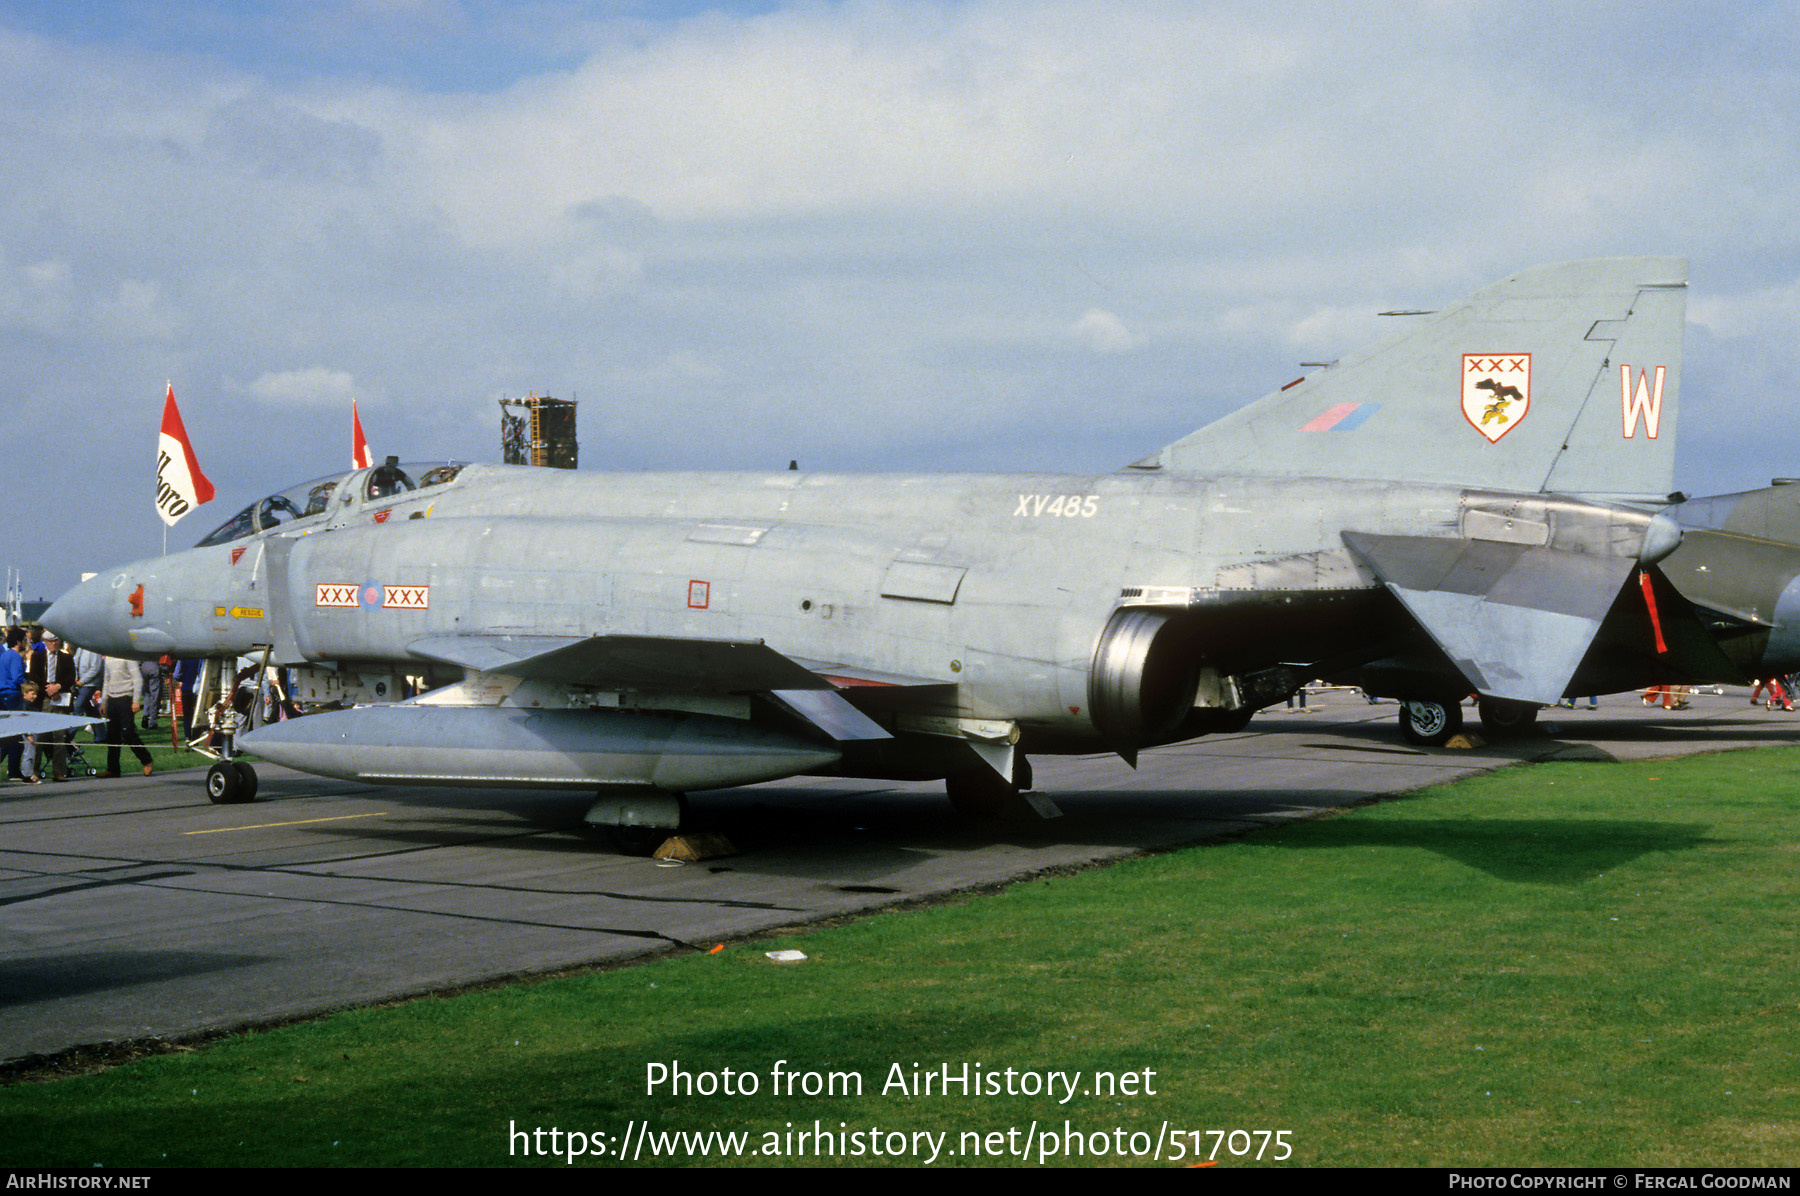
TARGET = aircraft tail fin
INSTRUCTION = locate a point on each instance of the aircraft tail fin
(1562, 378)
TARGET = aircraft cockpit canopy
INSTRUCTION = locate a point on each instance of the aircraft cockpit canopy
(387, 480)
(310, 500)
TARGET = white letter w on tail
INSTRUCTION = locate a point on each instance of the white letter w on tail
(1636, 401)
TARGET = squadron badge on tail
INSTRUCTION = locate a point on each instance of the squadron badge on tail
(1496, 391)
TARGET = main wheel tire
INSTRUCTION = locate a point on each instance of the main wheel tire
(1504, 719)
(983, 795)
(247, 781)
(641, 841)
(224, 787)
(1428, 722)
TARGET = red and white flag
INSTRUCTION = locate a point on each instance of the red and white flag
(180, 486)
(359, 445)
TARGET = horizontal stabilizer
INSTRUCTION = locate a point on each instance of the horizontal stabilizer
(1515, 619)
(663, 664)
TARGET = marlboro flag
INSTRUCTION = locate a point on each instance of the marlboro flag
(180, 486)
(359, 445)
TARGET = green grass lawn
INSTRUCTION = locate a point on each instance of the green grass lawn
(1572, 964)
(163, 757)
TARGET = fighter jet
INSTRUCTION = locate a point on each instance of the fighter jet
(1458, 509)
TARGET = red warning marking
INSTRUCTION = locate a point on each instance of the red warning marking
(1655, 619)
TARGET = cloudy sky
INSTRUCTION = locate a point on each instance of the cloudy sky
(989, 235)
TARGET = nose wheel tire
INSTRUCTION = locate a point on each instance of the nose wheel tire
(229, 783)
(1428, 722)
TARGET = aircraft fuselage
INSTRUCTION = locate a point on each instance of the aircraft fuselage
(997, 585)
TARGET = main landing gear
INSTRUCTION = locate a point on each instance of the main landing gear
(636, 821)
(1428, 722)
(1504, 719)
(230, 782)
(983, 795)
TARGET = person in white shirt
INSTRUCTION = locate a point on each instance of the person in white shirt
(121, 689)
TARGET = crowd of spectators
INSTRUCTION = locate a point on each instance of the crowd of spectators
(39, 672)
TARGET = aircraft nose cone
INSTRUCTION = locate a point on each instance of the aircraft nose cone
(86, 616)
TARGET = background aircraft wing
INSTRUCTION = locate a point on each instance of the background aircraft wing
(1653, 631)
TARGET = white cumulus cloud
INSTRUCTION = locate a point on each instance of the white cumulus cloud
(1103, 332)
(313, 386)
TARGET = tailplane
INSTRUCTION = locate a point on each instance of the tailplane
(1562, 378)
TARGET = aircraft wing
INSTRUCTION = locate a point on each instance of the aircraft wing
(666, 664)
(34, 722)
(659, 664)
(1515, 619)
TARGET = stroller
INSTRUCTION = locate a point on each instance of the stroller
(75, 761)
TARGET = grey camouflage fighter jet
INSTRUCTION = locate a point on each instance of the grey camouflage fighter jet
(1454, 511)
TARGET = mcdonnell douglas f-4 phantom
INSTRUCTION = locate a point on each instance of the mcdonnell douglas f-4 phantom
(1454, 511)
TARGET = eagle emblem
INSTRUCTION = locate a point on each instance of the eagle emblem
(1496, 391)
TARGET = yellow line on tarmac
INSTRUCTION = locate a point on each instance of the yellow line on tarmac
(263, 826)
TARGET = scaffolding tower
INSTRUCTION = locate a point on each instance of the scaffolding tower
(538, 430)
